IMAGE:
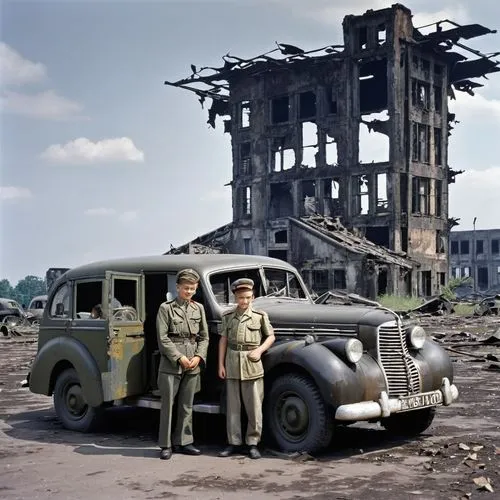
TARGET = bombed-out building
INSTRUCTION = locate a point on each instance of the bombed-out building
(300, 189)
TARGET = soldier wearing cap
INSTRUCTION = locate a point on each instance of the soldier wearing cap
(182, 331)
(246, 334)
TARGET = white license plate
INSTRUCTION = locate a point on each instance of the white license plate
(422, 400)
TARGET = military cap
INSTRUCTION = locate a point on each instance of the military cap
(187, 275)
(242, 284)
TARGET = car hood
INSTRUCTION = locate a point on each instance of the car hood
(297, 314)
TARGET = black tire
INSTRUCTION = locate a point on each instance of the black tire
(71, 408)
(297, 418)
(409, 423)
(5, 331)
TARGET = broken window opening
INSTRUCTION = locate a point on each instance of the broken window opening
(426, 69)
(373, 90)
(361, 195)
(281, 236)
(420, 94)
(281, 204)
(415, 62)
(465, 272)
(331, 197)
(310, 147)
(374, 142)
(339, 279)
(438, 187)
(437, 146)
(482, 278)
(284, 159)
(403, 193)
(309, 197)
(426, 283)
(280, 109)
(320, 280)
(247, 246)
(479, 246)
(247, 201)
(495, 246)
(307, 105)
(382, 198)
(244, 114)
(454, 248)
(378, 235)
(382, 282)
(245, 158)
(404, 239)
(438, 99)
(421, 195)
(362, 38)
(381, 34)
(440, 242)
(278, 254)
(441, 279)
(464, 247)
(420, 142)
(331, 100)
(438, 72)
(331, 151)
(332, 188)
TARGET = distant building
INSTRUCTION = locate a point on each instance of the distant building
(296, 119)
(476, 254)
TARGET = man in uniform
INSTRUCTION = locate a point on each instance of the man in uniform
(240, 350)
(182, 331)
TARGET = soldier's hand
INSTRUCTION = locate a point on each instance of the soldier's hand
(195, 361)
(185, 363)
(254, 355)
(222, 372)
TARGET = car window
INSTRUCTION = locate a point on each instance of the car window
(221, 284)
(88, 300)
(60, 302)
(124, 301)
(281, 283)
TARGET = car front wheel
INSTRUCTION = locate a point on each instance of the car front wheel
(70, 405)
(297, 417)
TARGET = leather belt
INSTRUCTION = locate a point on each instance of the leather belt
(180, 339)
(242, 347)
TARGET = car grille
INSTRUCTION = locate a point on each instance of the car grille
(401, 372)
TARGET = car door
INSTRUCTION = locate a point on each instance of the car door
(124, 306)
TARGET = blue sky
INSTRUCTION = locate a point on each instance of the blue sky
(99, 159)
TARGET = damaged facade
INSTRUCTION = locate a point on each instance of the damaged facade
(301, 189)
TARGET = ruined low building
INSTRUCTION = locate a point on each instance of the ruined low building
(296, 119)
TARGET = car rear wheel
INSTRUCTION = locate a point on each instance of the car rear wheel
(409, 423)
(297, 418)
(70, 405)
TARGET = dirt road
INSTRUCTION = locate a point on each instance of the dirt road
(41, 460)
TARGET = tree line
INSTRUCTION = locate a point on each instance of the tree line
(24, 291)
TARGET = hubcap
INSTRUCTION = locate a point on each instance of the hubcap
(293, 415)
(74, 401)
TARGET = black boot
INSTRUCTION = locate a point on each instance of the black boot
(253, 452)
(229, 450)
(166, 453)
(187, 449)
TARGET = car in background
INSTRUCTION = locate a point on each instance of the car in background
(37, 306)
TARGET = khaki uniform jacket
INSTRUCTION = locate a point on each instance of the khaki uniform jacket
(175, 326)
(244, 332)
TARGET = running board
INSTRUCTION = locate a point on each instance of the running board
(155, 403)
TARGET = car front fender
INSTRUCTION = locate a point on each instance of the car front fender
(434, 364)
(339, 381)
(66, 350)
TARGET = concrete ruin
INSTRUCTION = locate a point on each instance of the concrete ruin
(304, 190)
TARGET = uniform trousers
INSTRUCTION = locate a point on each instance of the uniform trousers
(184, 387)
(252, 394)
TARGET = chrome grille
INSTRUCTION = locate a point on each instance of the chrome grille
(401, 372)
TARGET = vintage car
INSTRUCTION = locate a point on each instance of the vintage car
(37, 306)
(330, 364)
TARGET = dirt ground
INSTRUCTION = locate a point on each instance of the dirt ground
(457, 457)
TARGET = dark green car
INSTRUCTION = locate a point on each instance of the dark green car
(330, 364)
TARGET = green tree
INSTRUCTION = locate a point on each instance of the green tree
(6, 290)
(28, 288)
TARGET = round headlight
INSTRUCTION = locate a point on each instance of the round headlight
(416, 337)
(353, 350)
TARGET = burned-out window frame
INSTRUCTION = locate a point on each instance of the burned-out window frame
(272, 111)
(454, 247)
(464, 247)
(421, 196)
(495, 246)
(244, 114)
(245, 158)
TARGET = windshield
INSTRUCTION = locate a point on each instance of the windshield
(269, 282)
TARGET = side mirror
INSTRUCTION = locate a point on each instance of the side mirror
(60, 309)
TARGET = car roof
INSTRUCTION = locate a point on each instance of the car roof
(5, 301)
(202, 263)
(39, 297)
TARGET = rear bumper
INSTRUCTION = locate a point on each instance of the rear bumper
(384, 407)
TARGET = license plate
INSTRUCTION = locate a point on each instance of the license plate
(422, 400)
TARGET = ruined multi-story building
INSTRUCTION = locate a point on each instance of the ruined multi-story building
(301, 191)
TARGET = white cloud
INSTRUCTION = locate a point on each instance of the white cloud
(13, 192)
(475, 194)
(84, 151)
(100, 212)
(16, 70)
(46, 104)
(129, 216)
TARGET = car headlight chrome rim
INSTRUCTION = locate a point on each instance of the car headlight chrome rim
(416, 337)
(353, 350)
